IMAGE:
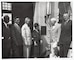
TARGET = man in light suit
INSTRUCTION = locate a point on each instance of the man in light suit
(26, 34)
(17, 42)
(6, 42)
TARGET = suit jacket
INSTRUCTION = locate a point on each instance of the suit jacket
(26, 34)
(16, 35)
(66, 33)
(6, 42)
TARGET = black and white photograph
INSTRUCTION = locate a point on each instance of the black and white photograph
(36, 29)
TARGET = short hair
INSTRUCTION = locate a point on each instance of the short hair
(6, 17)
(26, 19)
(15, 19)
(36, 25)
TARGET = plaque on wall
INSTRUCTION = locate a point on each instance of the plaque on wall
(43, 30)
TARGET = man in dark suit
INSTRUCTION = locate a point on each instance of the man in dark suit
(6, 42)
(66, 36)
(17, 42)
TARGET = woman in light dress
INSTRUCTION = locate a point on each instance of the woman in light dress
(55, 34)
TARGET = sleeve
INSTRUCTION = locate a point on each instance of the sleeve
(14, 36)
(28, 36)
(23, 31)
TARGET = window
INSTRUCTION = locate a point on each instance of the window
(6, 10)
(6, 6)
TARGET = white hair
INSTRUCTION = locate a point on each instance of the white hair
(53, 19)
(27, 19)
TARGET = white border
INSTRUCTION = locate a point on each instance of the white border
(38, 1)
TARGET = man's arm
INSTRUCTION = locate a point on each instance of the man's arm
(14, 36)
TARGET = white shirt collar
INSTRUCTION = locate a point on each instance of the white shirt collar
(5, 24)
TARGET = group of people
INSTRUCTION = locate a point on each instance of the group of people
(20, 42)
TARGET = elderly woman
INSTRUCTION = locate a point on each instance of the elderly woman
(55, 34)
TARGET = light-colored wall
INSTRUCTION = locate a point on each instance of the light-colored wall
(41, 9)
(40, 12)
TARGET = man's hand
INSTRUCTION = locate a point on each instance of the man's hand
(41, 41)
(35, 43)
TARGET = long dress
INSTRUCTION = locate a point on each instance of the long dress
(55, 30)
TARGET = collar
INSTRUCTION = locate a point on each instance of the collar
(26, 24)
(5, 24)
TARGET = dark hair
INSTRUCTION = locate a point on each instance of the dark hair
(6, 18)
(15, 18)
(36, 25)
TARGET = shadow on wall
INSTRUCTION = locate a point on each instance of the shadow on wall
(22, 10)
